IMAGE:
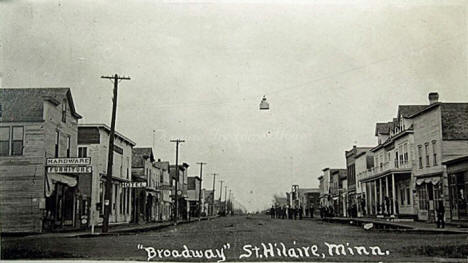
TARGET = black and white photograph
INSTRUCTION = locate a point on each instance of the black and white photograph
(234, 131)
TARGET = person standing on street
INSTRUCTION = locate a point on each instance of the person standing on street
(272, 212)
(440, 215)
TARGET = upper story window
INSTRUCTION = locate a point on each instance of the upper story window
(17, 140)
(4, 141)
(434, 152)
(57, 142)
(68, 146)
(128, 168)
(11, 140)
(1, 111)
(82, 152)
(420, 156)
(64, 111)
(426, 148)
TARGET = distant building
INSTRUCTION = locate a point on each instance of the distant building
(352, 198)
(37, 124)
(309, 198)
(193, 193)
(165, 191)
(146, 196)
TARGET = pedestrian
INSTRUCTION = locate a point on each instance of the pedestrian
(440, 215)
(312, 211)
(272, 212)
(300, 213)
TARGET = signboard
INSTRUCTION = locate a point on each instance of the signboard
(68, 161)
(134, 185)
(70, 169)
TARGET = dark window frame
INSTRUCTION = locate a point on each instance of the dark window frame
(8, 141)
(13, 153)
(64, 110)
(57, 144)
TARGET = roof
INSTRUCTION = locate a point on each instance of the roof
(309, 190)
(139, 155)
(107, 129)
(454, 121)
(408, 110)
(162, 165)
(456, 160)
(383, 128)
(14, 99)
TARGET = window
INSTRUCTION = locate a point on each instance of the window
(161, 177)
(17, 141)
(1, 111)
(4, 141)
(408, 196)
(406, 153)
(57, 141)
(64, 111)
(68, 146)
(128, 168)
(426, 148)
(121, 202)
(423, 201)
(420, 156)
(82, 152)
(434, 152)
(396, 159)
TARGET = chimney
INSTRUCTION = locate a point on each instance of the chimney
(433, 97)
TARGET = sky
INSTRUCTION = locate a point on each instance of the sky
(198, 69)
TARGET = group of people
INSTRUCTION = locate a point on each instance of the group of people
(287, 212)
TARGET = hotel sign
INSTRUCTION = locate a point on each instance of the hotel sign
(134, 185)
(70, 169)
(68, 161)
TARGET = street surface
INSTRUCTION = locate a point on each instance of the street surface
(240, 235)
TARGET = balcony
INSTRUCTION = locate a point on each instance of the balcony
(395, 166)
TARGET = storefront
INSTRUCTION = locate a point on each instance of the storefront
(66, 207)
(428, 195)
(457, 171)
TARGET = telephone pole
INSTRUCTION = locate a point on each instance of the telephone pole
(110, 158)
(200, 190)
(225, 200)
(177, 141)
(212, 201)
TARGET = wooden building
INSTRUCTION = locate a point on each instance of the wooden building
(93, 142)
(36, 124)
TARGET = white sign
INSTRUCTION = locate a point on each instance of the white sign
(134, 184)
(70, 169)
(69, 161)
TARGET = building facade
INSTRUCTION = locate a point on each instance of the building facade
(193, 193)
(35, 125)
(93, 142)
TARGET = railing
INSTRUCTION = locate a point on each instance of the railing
(402, 164)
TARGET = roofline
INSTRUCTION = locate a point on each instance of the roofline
(104, 126)
(456, 160)
(429, 107)
(392, 139)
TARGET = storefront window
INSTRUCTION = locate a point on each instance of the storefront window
(423, 200)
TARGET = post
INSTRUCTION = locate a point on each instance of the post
(225, 200)
(200, 190)
(110, 156)
(177, 141)
(394, 194)
(212, 201)
(388, 192)
(376, 203)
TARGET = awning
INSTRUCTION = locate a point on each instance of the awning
(52, 179)
(433, 180)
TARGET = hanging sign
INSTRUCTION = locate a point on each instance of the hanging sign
(68, 161)
(134, 185)
(70, 169)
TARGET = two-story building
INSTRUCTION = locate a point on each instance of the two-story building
(146, 195)
(37, 124)
(440, 135)
(165, 211)
(352, 198)
(193, 193)
(364, 161)
(181, 181)
(93, 142)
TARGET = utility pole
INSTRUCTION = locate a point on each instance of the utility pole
(230, 203)
(225, 200)
(177, 141)
(200, 190)
(110, 157)
(221, 191)
(212, 201)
